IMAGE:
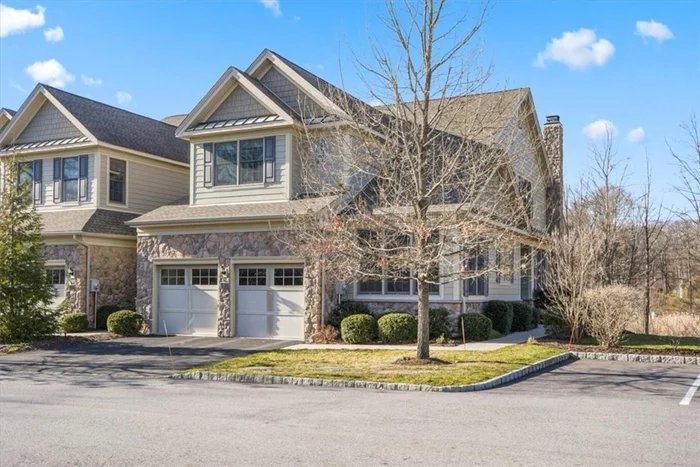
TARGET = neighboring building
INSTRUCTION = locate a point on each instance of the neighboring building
(219, 265)
(93, 167)
(5, 117)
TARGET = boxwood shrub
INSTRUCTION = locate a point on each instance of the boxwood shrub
(522, 317)
(73, 322)
(501, 315)
(345, 309)
(395, 328)
(358, 329)
(439, 319)
(125, 323)
(477, 327)
(103, 313)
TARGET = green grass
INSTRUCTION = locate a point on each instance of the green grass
(379, 365)
(651, 342)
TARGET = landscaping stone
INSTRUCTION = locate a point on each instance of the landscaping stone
(641, 358)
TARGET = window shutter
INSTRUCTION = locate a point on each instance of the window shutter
(270, 143)
(208, 178)
(38, 174)
(83, 178)
(57, 162)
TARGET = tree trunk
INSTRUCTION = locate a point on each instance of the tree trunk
(423, 350)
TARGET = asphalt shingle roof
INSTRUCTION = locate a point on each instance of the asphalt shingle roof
(87, 220)
(9, 111)
(123, 128)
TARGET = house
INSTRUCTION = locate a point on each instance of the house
(5, 117)
(92, 167)
(219, 264)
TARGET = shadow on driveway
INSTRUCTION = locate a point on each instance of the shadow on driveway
(135, 356)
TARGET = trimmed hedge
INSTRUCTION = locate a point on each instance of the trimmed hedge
(358, 329)
(522, 317)
(396, 328)
(73, 322)
(439, 322)
(477, 327)
(125, 323)
(103, 313)
(536, 317)
(501, 315)
(345, 309)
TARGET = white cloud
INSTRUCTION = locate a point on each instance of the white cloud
(600, 129)
(50, 72)
(273, 6)
(636, 136)
(577, 49)
(123, 97)
(658, 31)
(90, 81)
(13, 21)
(53, 34)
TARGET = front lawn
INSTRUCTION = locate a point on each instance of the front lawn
(640, 343)
(463, 367)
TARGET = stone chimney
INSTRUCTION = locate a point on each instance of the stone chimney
(554, 146)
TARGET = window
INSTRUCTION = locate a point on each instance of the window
(56, 276)
(70, 173)
(226, 163)
(25, 174)
(251, 161)
(206, 276)
(117, 181)
(172, 276)
(252, 276)
(289, 276)
(475, 266)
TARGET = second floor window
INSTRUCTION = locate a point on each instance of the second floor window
(70, 174)
(117, 181)
(240, 162)
(25, 174)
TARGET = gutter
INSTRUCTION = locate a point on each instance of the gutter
(87, 280)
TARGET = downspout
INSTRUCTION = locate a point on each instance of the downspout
(87, 280)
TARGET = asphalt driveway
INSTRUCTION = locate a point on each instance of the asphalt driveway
(135, 356)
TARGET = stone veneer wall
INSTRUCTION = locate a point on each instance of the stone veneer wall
(223, 246)
(115, 268)
(76, 259)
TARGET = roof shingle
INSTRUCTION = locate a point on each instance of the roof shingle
(88, 221)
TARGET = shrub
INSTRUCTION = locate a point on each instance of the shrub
(555, 325)
(477, 327)
(522, 317)
(609, 310)
(74, 322)
(358, 329)
(327, 335)
(345, 309)
(495, 334)
(394, 328)
(541, 300)
(103, 313)
(439, 322)
(501, 315)
(63, 308)
(536, 317)
(125, 323)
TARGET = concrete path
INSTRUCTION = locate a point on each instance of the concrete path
(485, 346)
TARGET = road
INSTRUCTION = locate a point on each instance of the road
(584, 413)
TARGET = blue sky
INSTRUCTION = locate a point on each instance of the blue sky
(159, 58)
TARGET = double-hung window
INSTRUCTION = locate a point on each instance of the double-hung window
(243, 162)
(475, 266)
(251, 158)
(117, 181)
(70, 174)
(25, 174)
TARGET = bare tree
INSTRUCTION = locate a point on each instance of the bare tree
(609, 310)
(689, 165)
(422, 187)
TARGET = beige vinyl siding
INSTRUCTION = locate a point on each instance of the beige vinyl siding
(290, 94)
(505, 290)
(250, 193)
(239, 104)
(149, 185)
(48, 124)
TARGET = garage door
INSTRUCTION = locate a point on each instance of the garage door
(187, 300)
(57, 276)
(270, 301)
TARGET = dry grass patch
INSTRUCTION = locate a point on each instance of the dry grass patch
(381, 365)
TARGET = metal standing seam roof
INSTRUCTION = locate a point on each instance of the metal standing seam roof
(43, 144)
(236, 122)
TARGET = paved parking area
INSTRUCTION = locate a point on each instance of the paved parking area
(135, 356)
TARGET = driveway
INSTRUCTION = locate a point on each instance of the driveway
(135, 356)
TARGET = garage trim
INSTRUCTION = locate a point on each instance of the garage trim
(155, 287)
(245, 260)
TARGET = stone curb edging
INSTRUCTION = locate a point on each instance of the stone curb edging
(340, 383)
(641, 358)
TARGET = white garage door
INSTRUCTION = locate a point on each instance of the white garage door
(57, 276)
(270, 301)
(187, 300)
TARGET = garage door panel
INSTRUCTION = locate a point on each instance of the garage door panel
(289, 301)
(203, 299)
(185, 308)
(173, 299)
(202, 323)
(173, 322)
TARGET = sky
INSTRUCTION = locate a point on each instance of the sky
(631, 67)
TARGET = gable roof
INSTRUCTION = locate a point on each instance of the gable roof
(122, 128)
(86, 220)
(174, 120)
(10, 112)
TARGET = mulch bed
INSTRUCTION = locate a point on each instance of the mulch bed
(54, 342)
(564, 345)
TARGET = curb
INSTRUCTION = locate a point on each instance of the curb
(641, 358)
(340, 383)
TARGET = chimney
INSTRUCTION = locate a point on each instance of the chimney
(554, 147)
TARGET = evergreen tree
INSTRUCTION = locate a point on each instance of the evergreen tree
(25, 291)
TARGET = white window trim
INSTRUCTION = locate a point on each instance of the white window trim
(238, 183)
(126, 183)
(487, 277)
